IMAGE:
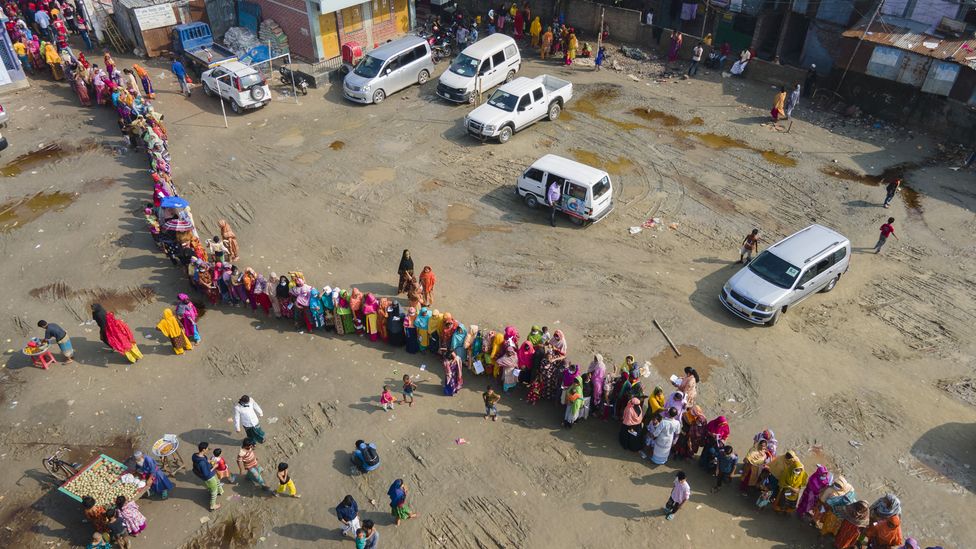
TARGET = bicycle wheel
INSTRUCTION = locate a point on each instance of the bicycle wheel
(55, 469)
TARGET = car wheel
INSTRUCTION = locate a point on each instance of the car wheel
(379, 96)
(206, 90)
(510, 76)
(775, 318)
(531, 201)
(554, 110)
(830, 285)
(505, 134)
(235, 107)
(424, 77)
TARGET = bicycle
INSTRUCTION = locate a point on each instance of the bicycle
(60, 469)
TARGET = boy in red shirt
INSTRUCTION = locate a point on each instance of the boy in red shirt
(220, 467)
(888, 229)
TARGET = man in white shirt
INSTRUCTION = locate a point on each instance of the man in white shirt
(696, 56)
(246, 414)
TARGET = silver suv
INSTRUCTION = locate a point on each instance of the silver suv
(786, 273)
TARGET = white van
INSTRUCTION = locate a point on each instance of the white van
(493, 59)
(587, 193)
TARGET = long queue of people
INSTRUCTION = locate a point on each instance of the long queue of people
(659, 428)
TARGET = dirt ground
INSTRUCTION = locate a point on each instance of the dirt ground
(875, 380)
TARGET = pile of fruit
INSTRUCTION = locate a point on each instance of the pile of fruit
(101, 481)
(35, 346)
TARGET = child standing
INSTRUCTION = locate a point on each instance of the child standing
(679, 495)
(546, 336)
(386, 398)
(285, 483)
(217, 249)
(117, 532)
(491, 399)
(360, 539)
(727, 460)
(220, 466)
(129, 514)
(98, 542)
(408, 388)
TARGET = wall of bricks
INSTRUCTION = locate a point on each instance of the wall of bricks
(379, 31)
(294, 23)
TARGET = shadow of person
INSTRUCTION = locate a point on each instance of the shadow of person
(617, 509)
(307, 532)
(947, 450)
(342, 462)
(213, 436)
(367, 404)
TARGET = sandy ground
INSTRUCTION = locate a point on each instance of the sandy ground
(874, 379)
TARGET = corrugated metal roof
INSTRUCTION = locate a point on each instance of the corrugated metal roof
(947, 49)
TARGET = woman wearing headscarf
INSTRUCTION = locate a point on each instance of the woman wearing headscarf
(398, 501)
(597, 371)
(153, 474)
(779, 108)
(535, 31)
(630, 423)
(53, 59)
(676, 400)
(410, 330)
(655, 403)
(427, 281)
(448, 327)
(546, 46)
(508, 363)
(147, 85)
(716, 433)
(316, 310)
(370, 306)
(833, 500)
(519, 25)
(820, 480)
(791, 482)
(81, 88)
(422, 324)
(282, 296)
(570, 373)
(885, 529)
(535, 336)
(689, 385)
(572, 44)
(676, 39)
(262, 298)
(99, 316)
(559, 348)
(453, 380)
(855, 518)
(752, 465)
(792, 101)
(120, 338)
(574, 402)
(457, 340)
(383, 319)
(693, 430)
(172, 329)
(405, 270)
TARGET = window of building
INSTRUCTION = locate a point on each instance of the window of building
(382, 10)
(352, 18)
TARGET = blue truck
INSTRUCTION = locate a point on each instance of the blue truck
(195, 44)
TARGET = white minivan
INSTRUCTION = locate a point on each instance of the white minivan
(586, 192)
(492, 60)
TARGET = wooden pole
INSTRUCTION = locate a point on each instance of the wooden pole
(665, 334)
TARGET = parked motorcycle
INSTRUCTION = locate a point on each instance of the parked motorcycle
(441, 46)
(289, 77)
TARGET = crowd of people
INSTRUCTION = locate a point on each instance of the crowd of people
(656, 426)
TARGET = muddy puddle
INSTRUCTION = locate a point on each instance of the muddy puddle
(911, 197)
(593, 104)
(231, 533)
(16, 213)
(667, 364)
(652, 115)
(724, 142)
(460, 227)
(51, 153)
(337, 145)
(617, 166)
(431, 185)
(127, 299)
(381, 174)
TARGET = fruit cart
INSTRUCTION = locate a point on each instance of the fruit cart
(104, 478)
(39, 353)
(168, 456)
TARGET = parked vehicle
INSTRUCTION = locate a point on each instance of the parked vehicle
(484, 64)
(786, 273)
(518, 104)
(234, 81)
(195, 44)
(289, 77)
(389, 69)
(586, 192)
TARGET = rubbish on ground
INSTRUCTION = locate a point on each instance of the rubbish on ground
(460, 441)
(635, 230)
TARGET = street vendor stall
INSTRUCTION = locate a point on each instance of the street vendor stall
(39, 353)
(104, 479)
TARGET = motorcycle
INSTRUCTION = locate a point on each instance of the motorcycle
(441, 47)
(289, 77)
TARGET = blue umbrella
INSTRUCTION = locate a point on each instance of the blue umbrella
(173, 202)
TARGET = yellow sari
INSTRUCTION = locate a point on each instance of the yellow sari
(172, 329)
(535, 30)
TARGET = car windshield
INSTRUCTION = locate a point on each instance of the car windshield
(369, 67)
(503, 100)
(249, 80)
(774, 270)
(464, 65)
(601, 188)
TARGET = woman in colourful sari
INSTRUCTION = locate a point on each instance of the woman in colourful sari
(172, 329)
(345, 314)
(398, 501)
(535, 31)
(370, 305)
(410, 330)
(791, 482)
(81, 88)
(559, 348)
(315, 309)
(356, 306)
(855, 519)
(597, 371)
(753, 463)
(689, 385)
(457, 340)
(427, 281)
(147, 85)
(546, 44)
(472, 346)
(535, 336)
(574, 402)
(120, 338)
(568, 379)
(572, 44)
(693, 430)
(630, 424)
(453, 380)
(422, 325)
(676, 39)
(187, 313)
(508, 364)
(885, 528)
(655, 403)
(716, 433)
(53, 59)
(821, 479)
(833, 500)
(434, 330)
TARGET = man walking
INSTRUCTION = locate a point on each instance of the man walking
(750, 245)
(553, 195)
(888, 229)
(696, 55)
(890, 189)
(246, 413)
(679, 495)
(54, 332)
(203, 470)
(247, 463)
(180, 73)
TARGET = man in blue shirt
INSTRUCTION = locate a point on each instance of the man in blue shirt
(203, 470)
(43, 21)
(365, 456)
(180, 73)
(553, 195)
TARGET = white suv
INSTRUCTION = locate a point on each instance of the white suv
(238, 83)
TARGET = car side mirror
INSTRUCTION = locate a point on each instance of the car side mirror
(800, 287)
(521, 108)
(388, 71)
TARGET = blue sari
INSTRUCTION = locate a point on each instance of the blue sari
(161, 484)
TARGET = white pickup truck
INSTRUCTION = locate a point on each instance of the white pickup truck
(518, 104)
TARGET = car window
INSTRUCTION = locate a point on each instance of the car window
(249, 80)
(537, 94)
(601, 187)
(774, 270)
(464, 65)
(369, 67)
(555, 178)
(408, 57)
(217, 73)
(510, 51)
(419, 52)
(534, 174)
(498, 58)
(393, 64)
(577, 191)
(485, 67)
(524, 102)
(839, 255)
(503, 100)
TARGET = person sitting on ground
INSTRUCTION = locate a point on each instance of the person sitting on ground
(365, 456)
